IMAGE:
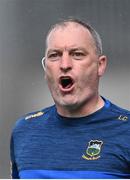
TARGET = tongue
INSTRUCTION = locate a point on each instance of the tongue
(67, 86)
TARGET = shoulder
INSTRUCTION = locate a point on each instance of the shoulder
(117, 111)
(29, 118)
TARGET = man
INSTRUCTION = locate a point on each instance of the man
(83, 135)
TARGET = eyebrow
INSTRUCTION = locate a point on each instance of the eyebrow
(53, 50)
(68, 49)
(78, 49)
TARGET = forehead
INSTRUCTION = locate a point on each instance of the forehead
(68, 35)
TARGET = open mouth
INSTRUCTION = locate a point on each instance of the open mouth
(66, 82)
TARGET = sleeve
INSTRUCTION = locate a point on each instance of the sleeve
(13, 169)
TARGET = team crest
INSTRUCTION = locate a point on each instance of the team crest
(93, 150)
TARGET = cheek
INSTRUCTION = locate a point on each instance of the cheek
(50, 73)
(89, 76)
(51, 80)
(51, 70)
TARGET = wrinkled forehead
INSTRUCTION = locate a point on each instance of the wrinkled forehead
(69, 27)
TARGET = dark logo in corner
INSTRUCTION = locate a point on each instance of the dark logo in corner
(93, 150)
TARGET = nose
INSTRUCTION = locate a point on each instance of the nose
(66, 62)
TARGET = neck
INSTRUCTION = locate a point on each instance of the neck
(84, 110)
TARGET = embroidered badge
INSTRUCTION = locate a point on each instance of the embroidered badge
(93, 150)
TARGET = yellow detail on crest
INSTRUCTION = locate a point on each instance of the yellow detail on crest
(34, 115)
(90, 158)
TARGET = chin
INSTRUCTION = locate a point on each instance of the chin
(68, 101)
(68, 104)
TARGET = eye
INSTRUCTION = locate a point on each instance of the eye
(78, 55)
(54, 56)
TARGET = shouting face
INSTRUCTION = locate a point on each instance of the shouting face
(72, 66)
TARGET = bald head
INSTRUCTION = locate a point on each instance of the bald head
(96, 40)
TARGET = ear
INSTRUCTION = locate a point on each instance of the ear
(43, 65)
(102, 64)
